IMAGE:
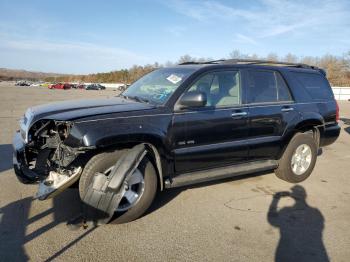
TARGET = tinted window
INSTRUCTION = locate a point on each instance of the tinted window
(222, 88)
(157, 86)
(266, 86)
(315, 84)
(283, 93)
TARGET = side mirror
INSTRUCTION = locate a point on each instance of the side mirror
(193, 99)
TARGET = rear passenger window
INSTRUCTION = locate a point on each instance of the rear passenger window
(315, 84)
(266, 86)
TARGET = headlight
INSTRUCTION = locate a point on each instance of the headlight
(25, 123)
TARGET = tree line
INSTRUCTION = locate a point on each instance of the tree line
(337, 68)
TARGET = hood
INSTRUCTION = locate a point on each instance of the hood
(74, 109)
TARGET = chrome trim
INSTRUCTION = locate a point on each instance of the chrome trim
(287, 109)
(239, 114)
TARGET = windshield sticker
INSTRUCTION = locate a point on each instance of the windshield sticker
(174, 78)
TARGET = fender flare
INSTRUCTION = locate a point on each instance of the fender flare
(158, 163)
(316, 124)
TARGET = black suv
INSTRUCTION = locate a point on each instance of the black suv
(197, 121)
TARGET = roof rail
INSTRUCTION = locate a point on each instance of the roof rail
(267, 62)
(254, 62)
(203, 63)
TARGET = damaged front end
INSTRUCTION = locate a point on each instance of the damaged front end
(41, 156)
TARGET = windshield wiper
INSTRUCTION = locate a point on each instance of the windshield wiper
(139, 99)
(124, 96)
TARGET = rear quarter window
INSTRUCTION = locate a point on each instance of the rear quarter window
(315, 84)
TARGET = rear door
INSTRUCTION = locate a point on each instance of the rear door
(213, 135)
(271, 108)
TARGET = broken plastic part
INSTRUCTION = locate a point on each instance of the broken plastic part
(105, 192)
(56, 183)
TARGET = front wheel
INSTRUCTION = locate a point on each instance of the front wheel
(298, 160)
(142, 185)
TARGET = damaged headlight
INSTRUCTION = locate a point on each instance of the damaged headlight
(24, 124)
(49, 132)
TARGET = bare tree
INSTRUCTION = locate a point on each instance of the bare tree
(290, 58)
(186, 58)
(272, 57)
(236, 54)
(337, 68)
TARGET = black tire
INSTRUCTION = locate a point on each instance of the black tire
(103, 161)
(284, 170)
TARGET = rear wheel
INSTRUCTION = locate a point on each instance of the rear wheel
(299, 159)
(141, 189)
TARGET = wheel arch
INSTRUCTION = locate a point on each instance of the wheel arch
(314, 126)
(93, 139)
(153, 145)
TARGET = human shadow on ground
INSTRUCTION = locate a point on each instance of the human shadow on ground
(301, 227)
(5, 157)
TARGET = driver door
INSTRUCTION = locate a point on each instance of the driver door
(213, 135)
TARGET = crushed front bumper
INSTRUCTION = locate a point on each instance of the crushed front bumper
(20, 165)
(50, 185)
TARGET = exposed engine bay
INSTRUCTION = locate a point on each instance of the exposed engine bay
(49, 158)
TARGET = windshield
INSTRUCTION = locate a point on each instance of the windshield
(157, 86)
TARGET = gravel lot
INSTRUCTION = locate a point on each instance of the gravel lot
(224, 221)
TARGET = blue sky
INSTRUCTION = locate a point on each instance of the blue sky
(98, 36)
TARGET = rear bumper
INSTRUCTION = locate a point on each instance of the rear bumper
(330, 134)
(20, 166)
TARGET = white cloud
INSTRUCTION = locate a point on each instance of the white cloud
(206, 10)
(269, 18)
(70, 47)
(65, 56)
(245, 39)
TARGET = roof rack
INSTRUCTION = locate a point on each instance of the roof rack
(203, 63)
(267, 62)
(253, 62)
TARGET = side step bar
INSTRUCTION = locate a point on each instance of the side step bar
(220, 173)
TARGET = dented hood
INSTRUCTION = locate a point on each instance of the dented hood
(74, 109)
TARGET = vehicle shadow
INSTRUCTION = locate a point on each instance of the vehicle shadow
(347, 129)
(15, 219)
(347, 123)
(5, 157)
(164, 197)
(301, 227)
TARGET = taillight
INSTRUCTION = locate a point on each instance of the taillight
(337, 112)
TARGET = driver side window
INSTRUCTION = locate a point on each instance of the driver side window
(221, 88)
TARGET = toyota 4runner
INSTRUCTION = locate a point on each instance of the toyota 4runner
(197, 121)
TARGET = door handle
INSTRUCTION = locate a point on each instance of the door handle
(287, 109)
(239, 114)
